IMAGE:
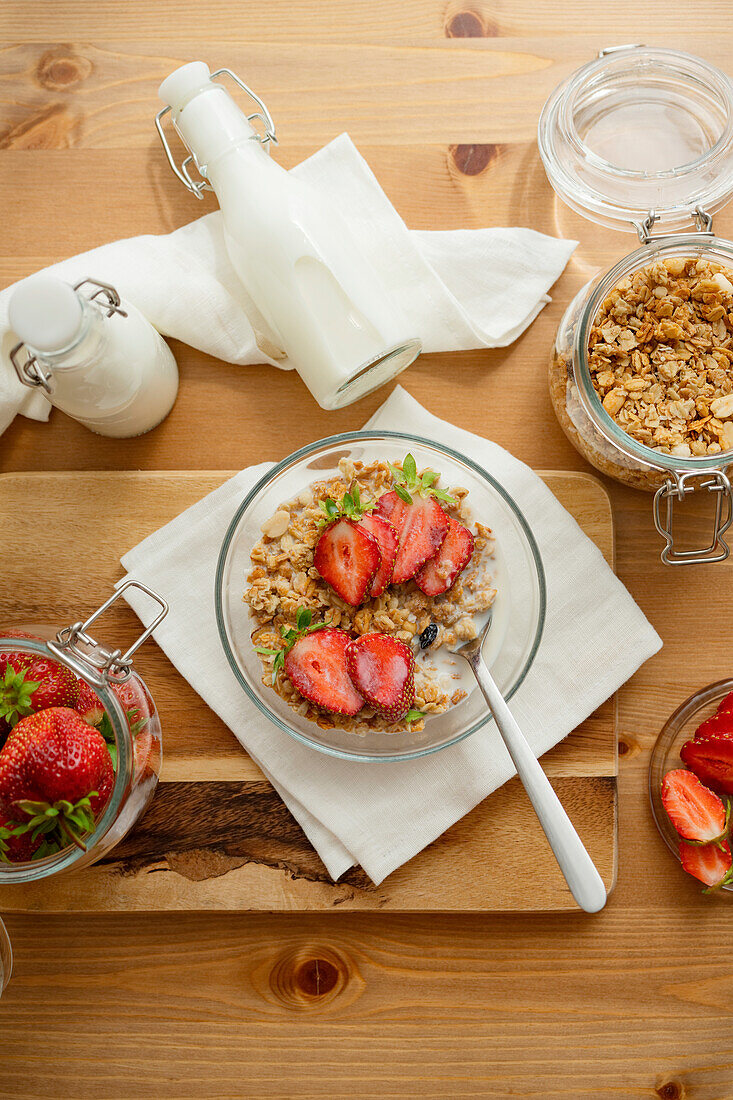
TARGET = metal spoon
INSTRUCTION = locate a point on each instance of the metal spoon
(586, 885)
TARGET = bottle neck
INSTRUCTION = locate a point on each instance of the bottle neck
(88, 346)
(211, 124)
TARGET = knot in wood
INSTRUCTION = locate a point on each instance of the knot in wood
(469, 24)
(309, 978)
(471, 160)
(671, 1090)
(60, 68)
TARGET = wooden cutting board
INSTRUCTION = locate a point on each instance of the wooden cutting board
(216, 835)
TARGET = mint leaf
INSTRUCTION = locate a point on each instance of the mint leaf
(409, 467)
(403, 494)
(414, 716)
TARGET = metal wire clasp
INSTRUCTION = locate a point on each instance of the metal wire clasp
(678, 489)
(76, 645)
(197, 187)
(33, 373)
(703, 223)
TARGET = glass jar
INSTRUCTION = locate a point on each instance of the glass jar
(639, 139)
(132, 730)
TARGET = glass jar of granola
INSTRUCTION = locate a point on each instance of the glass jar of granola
(641, 371)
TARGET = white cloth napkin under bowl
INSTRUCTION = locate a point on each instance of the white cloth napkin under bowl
(459, 289)
(380, 815)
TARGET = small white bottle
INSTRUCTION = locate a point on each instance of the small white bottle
(96, 358)
(319, 299)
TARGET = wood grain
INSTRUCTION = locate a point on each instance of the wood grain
(634, 1004)
(217, 836)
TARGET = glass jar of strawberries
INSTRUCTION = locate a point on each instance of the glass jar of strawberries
(80, 747)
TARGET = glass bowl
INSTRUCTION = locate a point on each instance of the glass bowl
(679, 728)
(518, 613)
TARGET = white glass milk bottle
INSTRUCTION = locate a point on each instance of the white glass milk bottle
(319, 300)
(94, 357)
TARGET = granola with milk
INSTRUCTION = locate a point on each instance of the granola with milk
(286, 590)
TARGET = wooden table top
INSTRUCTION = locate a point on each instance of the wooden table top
(443, 99)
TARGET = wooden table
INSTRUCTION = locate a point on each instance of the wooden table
(443, 101)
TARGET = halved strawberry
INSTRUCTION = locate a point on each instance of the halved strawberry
(696, 812)
(708, 863)
(711, 759)
(441, 572)
(316, 666)
(383, 670)
(347, 557)
(386, 538)
(421, 527)
(720, 724)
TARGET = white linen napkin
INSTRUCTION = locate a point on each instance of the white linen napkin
(380, 815)
(459, 289)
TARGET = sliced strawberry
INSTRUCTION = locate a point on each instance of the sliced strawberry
(347, 557)
(421, 527)
(696, 813)
(383, 670)
(726, 706)
(441, 572)
(711, 759)
(720, 724)
(386, 538)
(316, 666)
(708, 863)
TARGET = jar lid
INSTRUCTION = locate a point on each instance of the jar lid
(640, 131)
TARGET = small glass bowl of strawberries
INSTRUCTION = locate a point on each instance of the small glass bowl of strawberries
(80, 749)
(691, 785)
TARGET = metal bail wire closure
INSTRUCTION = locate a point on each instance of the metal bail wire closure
(93, 659)
(32, 373)
(702, 221)
(718, 550)
(196, 187)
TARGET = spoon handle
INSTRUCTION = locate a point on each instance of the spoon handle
(586, 885)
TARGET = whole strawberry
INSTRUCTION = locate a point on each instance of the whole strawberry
(16, 842)
(88, 704)
(16, 659)
(51, 767)
(40, 684)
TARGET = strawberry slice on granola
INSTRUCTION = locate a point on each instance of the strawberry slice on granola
(441, 571)
(383, 670)
(387, 540)
(412, 508)
(421, 527)
(347, 557)
(316, 665)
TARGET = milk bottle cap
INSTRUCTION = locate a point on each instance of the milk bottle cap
(45, 313)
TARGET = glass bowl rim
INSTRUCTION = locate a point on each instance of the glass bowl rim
(352, 437)
(67, 857)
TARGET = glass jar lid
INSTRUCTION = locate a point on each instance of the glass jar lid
(639, 131)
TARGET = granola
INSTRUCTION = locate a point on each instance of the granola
(660, 355)
(283, 579)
